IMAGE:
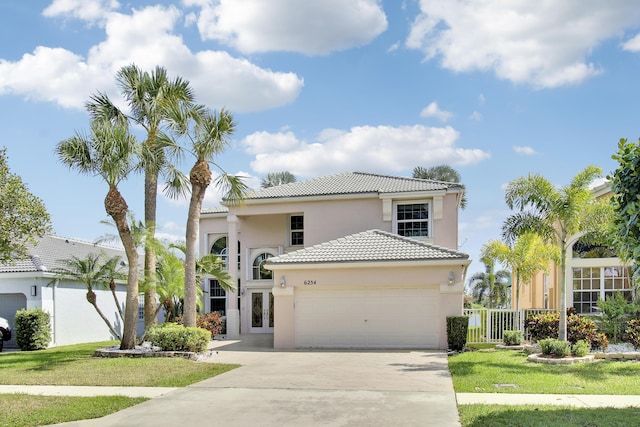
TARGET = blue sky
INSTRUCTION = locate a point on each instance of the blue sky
(495, 89)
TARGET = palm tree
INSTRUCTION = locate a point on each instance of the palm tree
(108, 151)
(555, 214)
(92, 272)
(529, 255)
(208, 138)
(150, 96)
(488, 285)
(277, 178)
(441, 173)
(171, 272)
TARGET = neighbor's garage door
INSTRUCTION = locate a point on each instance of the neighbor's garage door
(9, 304)
(366, 317)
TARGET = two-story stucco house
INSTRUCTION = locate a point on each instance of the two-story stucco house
(353, 260)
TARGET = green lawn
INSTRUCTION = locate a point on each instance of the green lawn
(21, 410)
(544, 416)
(480, 371)
(74, 365)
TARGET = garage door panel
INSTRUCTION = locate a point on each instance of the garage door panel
(9, 305)
(366, 317)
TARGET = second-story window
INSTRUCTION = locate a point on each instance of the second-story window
(296, 230)
(412, 219)
(259, 272)
(219, 248)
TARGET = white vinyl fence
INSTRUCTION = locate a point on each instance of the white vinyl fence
(486, 326)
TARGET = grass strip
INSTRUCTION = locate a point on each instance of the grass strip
(544, 416)
(480, 371)
(20, 410)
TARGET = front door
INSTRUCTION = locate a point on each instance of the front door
(261, 312)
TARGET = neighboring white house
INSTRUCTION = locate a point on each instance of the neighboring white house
(353, 260)
(31, 283)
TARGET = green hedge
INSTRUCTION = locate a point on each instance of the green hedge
(174, 337)
(457, 327)
(33, 330)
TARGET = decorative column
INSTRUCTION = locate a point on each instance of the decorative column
(233, 313)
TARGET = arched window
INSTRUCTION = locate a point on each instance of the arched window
(259, 272)
(219, 248)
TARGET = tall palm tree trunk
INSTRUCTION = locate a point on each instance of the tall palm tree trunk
(150, 203)
(116, 208)
(200, 177)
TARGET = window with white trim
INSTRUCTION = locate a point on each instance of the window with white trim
(259, 272)
(217, 297)
(591, 284)
(412, 219)
(296, 230)
(220, 249)
(141, 307)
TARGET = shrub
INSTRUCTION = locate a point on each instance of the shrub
(542, 326)
(560, 348)
(457, 332)
(545, 325)
(33, 330)
(600, 341)
(616, 310)
(633, 333)
(512, 337)
(580, 348)
(546, 345)
(173, 337)
(212, 322)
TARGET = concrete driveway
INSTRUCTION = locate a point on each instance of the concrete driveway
(305, 388)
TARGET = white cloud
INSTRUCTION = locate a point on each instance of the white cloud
(363, 148)
(476, 116)
(146, 37)
(433, 110)
(524, 150)
(311, 28)
(633, 44)
(540, 43)
(87, 10)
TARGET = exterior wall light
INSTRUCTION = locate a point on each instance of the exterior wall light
(283, 282)
(452, 278)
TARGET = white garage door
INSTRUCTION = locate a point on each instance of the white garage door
(366, 317)
(9, 304)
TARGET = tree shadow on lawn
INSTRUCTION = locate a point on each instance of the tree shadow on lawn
(534, 416)
(44, 360)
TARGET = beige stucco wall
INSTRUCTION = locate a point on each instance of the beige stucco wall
(367, 275)
(264, 227)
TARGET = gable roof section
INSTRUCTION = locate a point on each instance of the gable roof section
(349, 183)
(46, 255)
(369, 246)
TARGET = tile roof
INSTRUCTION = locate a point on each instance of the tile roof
(46, 254)
(369, 246)
(350, 183)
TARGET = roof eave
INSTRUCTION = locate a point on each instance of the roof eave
(369, 264)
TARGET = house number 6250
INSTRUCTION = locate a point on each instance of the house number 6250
(309, 282)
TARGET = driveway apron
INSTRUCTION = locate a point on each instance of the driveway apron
(305, 388)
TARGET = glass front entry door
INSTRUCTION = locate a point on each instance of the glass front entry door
(261, 312)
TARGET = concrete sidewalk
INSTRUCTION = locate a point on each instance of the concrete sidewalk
(577, 400)
(56, 390)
